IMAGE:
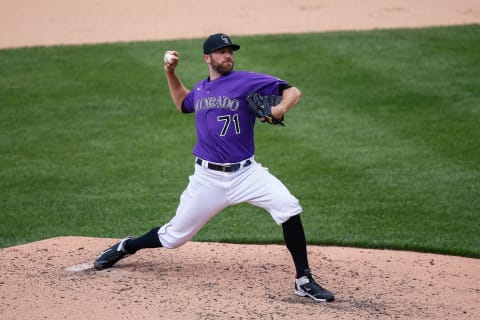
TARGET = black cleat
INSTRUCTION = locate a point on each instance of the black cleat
(307, 287)
(112, 255)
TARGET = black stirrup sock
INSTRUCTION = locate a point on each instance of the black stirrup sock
(148, 240)
(294, 236)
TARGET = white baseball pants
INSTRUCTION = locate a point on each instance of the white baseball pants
(210, 191)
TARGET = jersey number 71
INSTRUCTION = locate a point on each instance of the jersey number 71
(227, 120)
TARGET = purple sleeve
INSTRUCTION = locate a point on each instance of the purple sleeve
(188, 105)
(265, 84)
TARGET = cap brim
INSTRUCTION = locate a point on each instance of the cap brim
(234, 47)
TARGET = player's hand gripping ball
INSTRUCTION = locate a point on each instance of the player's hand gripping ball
(169, 58)
(261, 106)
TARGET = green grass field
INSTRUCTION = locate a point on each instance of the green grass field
(383, 151)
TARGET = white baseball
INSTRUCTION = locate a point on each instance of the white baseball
(168, 58)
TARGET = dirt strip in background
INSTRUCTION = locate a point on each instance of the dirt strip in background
(50, 22)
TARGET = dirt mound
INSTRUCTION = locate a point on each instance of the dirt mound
(54, 279)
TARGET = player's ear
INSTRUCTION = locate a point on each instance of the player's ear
(206, 58)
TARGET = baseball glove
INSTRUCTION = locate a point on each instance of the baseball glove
(261, 106)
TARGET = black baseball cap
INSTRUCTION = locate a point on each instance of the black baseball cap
(218, 41)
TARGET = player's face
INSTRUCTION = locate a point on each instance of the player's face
(222, 60)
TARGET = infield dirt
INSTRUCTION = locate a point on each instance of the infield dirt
(53, 278)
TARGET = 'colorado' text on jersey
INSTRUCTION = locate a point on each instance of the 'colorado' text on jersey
(224, 123)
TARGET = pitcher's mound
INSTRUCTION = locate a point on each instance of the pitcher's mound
(54, 279)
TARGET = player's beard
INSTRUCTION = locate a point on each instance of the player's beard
(223, 67)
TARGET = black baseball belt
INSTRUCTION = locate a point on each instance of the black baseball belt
(232, 167)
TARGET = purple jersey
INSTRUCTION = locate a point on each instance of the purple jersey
(224, 123)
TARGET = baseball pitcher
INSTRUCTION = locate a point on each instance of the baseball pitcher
(227, 105)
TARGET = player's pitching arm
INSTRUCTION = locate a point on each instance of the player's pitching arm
(177, 90)
(290, 98)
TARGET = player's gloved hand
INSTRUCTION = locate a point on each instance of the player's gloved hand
(261, 106)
